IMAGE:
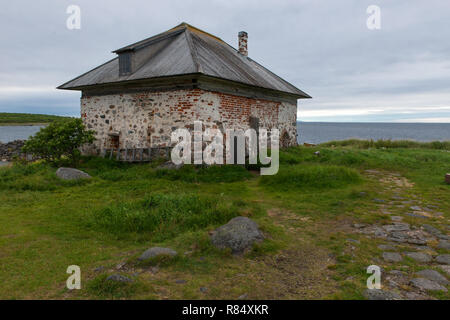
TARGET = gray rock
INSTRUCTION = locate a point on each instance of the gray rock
(396, 218)
(71, 174)
(239, 234)
(170, 166)
(433, 276)
(425, 284)
(431, 229)
(99, 269)
(397, 273)
(443, 244)
(392, 256)
(446, 269)
(443, 258)
(379, 200)
(118, 278)
(156, 252)
(204, 289)
(242, 297)
(386, 247)
(419, 256)
(375, 294)
(416, 208)
(396, 227)
(416, 296)
(180, 281)
(416, 215)
(397, 239)
(416, 241)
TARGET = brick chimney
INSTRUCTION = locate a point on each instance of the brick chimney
(243, 37)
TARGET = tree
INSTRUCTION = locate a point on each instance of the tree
(60, 139)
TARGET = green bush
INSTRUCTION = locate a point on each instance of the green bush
(303, 177)
(162, 216)
(58, 140)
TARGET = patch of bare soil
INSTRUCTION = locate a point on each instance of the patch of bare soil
(299, 272)
(295, 273)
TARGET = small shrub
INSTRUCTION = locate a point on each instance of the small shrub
(58, 140)
(311, 177)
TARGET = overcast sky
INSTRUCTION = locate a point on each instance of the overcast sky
(399, 73)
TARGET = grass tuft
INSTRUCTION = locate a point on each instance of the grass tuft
(106, 289)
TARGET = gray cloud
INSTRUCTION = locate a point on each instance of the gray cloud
(397, 73)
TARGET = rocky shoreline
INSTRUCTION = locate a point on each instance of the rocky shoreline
(11, 150)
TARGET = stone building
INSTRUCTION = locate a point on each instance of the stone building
(170, 80)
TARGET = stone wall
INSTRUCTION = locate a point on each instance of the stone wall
(147, 119)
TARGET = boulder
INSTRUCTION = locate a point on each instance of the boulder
(426, 284)
(239, 234)
(443, 258)
(419, 256)
(71, 174)
(433, 276)
(392, 256)
(157, 252)
(444, 244)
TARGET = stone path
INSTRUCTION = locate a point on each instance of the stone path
(419, 243)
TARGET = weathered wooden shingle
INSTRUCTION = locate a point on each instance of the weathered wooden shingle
(185, 50)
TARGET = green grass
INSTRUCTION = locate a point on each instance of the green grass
(48, 224)
(212, 174)
(311, 177)
(366, 144)
(162, 216)
(106, 289)
(27, 118)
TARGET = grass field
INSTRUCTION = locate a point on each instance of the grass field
(27, 118)
(307, 213)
